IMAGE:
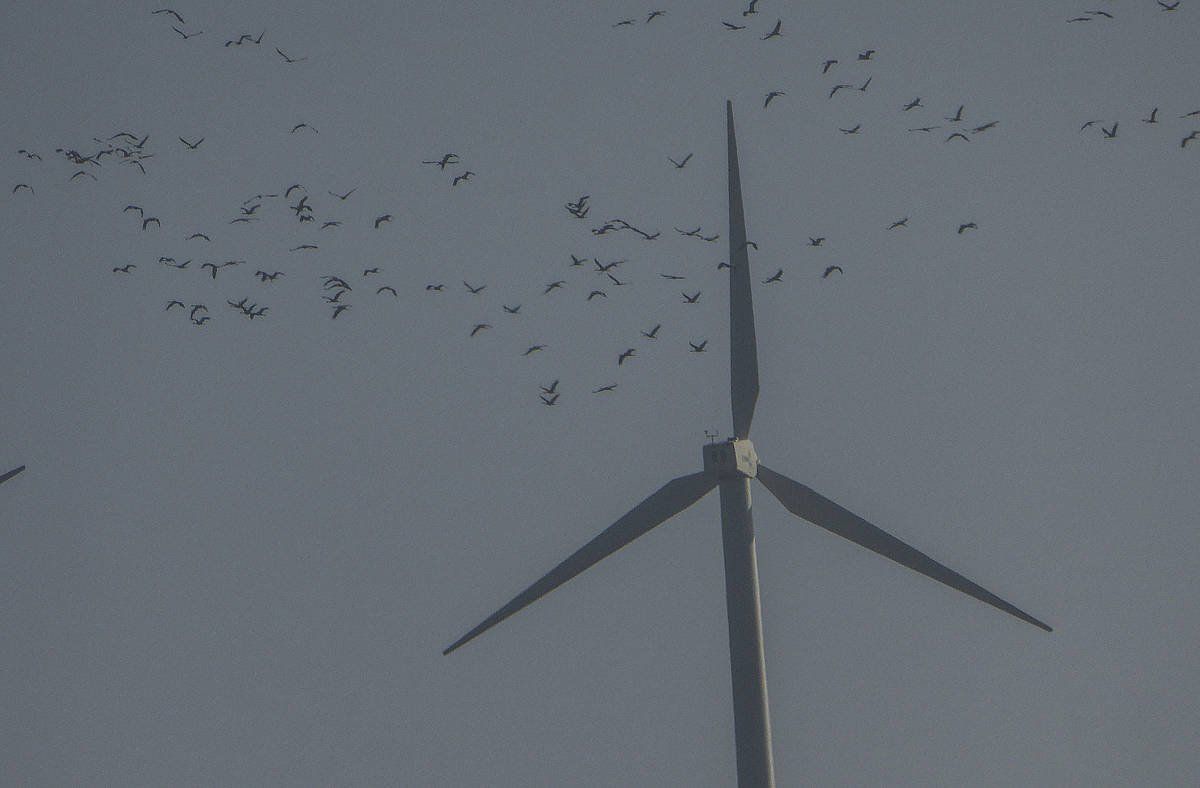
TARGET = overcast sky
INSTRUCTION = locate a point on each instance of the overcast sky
(240, 546)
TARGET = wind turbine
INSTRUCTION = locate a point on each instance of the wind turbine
(730, 465)
(6, 476)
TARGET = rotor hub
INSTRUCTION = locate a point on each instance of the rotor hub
(730, 459)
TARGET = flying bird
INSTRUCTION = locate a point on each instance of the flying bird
(473, 290)
(1111, 133)
(898, 223)
(338, 309)
(512, 310)
(263, 276)
(679, 165)
(957, 115)
(836, 88)
(654, 14)
(602, 389)
(148, 219)
(731, 26)
(369, 271)
(831, 269)
(387, 217)
(125, 269)
(772, 95)
(22, 186)
(435, 288)
(533, 349)
(479, 327)
(912, 104)
(1153, 116)
(192, 145)
(551, 389)
(287, 59)
(548, 400)
(776, 277)
(828, 64)
(967, 226)
(853, 130)
(989, 125)
(170, 11)
(698, 348)
(630, 353)
(304, 247)
(174, 302)
(816, 241)
(389, 288)
(299, 126)
(1169, 6)
(344, 196)
(595, 293)
(448, 158)
(466, 176)
(691, 299)
(652, 333)
(672, 276)
(751, 9)
(774, 31)
(958, 135)
(554, 286)
(866, 54)
(863, 87)
(194, 236)
(1183, 143)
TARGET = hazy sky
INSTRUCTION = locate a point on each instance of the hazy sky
(240, 547)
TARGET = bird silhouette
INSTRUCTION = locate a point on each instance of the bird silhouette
(388, 288)
(898, 223)
(830, 270)
(548, 400)
(866, 54)
(194, 236)
(991, 124)
(691, 299)
(473, 290)
(775, 277)
(512, 310)
(125, 269)
(554, 286)
(170, 11)
(698, 348)
(654, 14)
(958, 135)
(299, 126)
(338, 309)
(863, 87)
(435, 288)
(751, 9)
(263, 276)
(22, 186)
(602, 389)
(679, 165)
(595, 293)
(287, 59)
(828, 64)
(148, 219)
(816, 241)
(1183, 143)
(479, 327)
(466, 176)
(1169, 6)
(912, 104)
(853, 130)
(967, 226)
(731, 26)
(369, 271)
(199, 321)
(774, 31)
(1111, 133)
(551, 389)
(652, 333)
(387, 217)
(772, 95)
(192, 145)
(957, 115)
(672, 276)
(836, 88)
(447, 158)
(533, 349)
(627, 354)
(1153, 116)
(343, 197)
(174, 302)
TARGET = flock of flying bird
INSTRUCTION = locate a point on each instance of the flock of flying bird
(337, 291)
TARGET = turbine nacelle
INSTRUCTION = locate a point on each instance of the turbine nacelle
(731, 459)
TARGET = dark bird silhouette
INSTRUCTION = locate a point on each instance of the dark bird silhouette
(731, 26)
(125, 269)
(194, 236)
(967, 226)
(991, 124)
(533, 349)
(170, 11)
(263, 276)
(863, 87)
(243, 220)
(1080, 19)
(774, 31)
(1153, 116)
(554, 286)
(751, 9)
(866, 54)
(552, 388)
(603, 268)
(435, 288)
(286, 194)
(336, 297)
(836, 88)
(925, 128)
(369, 271)
(672, 276)
(186, 36)
(287, 59)
(330, 224)
(625, 22)
(616, 281)
(595, 293)
(335, 281)
(898, 223)
(238, 304)
(387, 217)
(344, 196)
(691, 299)
(199, 321)
(749, 243)
(447, 158)
(828, 64)
(474, 290)
(172, 303)
(548, 400)
(912, 104)
(816, 241)
(338, 309)
(249, 211)
(304, 247)
(1169, 6)
(1191, 114)
(22, 186)
(479, 327)
(171, 262)
(958, 135)
(652, 333)
(512, 310)
(831, 269)
(698, 348)
(1183, 143)
(654, 14)
(1111, 133)
(192, 145)
(466, 176)
(1101, 13)
(148, 219)
(630, 353)
(679, 165)
(577, 261)
(602, 389)
(299, 126)
(689, 233)
(389, 288)
(853, 130)
(775, 277)
(957, 115)
(211, 266)
(129, 208)
(772, 95)
(197, 308)
(83, 173)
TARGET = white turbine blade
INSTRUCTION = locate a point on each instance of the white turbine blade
(743, 349)
(11, 474)
(806, 503)
(669, 500)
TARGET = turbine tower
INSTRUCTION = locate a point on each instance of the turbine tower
(730, 465)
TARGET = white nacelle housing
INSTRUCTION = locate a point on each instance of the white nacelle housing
(731, 458)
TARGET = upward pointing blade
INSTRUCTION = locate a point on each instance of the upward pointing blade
(11, 474)
(810, 505)
(743, 349)
(666, 502)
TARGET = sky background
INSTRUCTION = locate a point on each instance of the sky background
(239, 548)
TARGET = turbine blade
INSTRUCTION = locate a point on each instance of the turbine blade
(11, 474)
(669, 500)
(806, 503)
(743, 349)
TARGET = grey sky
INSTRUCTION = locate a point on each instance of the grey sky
(239, 549)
